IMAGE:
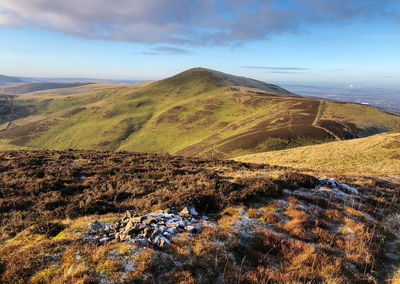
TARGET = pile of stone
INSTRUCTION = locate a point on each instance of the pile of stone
(156, 228)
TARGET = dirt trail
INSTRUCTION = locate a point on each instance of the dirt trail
(318, 117)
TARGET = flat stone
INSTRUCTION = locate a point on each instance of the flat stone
(131, 213)
(188, 211)
(124, 237)
(193, 229)
(163, 242)
(167, 235)
(149, 220)
(155, 233)
(146, 232)
(139, 227)
(172, 230)
(156, 240)
(129, 226)
(172, 225)
(103, 240)
(136, 219)
(181, 225)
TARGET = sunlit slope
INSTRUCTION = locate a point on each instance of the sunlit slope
(198, 112)
(374, 154)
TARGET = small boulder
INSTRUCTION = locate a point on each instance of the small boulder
(167, 235)
(149, 220)
(136, 219)
(172, 230)
(188, 211)
(131, 214)
(163, 242)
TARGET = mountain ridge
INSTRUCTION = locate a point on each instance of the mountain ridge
(6, 80)
(198, 112)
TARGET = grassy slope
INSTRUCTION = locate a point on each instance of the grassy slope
(367, 117)
(375, 154)
(196, 112)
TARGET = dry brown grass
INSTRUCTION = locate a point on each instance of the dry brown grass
(378, 154)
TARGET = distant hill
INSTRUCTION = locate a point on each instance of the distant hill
(375, 154)
(5, 80)
(34, 87)
(199, 112)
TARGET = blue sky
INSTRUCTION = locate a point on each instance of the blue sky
(309, 42)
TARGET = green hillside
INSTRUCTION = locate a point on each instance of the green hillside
(199, 112)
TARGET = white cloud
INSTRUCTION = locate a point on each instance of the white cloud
(183, 21)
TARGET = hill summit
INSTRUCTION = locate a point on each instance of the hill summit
(220, 79)
(198, 112)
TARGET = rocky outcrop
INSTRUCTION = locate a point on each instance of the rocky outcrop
(155, 229)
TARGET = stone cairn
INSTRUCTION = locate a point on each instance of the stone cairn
(156, 228)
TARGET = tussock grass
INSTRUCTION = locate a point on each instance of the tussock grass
(378, 154)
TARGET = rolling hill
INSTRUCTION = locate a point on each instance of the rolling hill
(5, 80)
(199, 112)
(378, 154)
(25, 88)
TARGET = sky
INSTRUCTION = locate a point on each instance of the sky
(354, 43)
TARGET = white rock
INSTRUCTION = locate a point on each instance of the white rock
(192, 211)
(172, 230)
(167, 235)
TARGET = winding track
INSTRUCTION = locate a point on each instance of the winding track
(318, 117)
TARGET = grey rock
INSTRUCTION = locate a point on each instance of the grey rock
(163, 242)
(131, 213)
(188, 211)
(193, 229)
(156, 240)
(172, 225)
(167, 235)
(181, 225)
(149, 220)
(146, 232)
(162, 228)
(103, 240)
(155, 233)
(129, 226)
(172, 230)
